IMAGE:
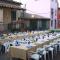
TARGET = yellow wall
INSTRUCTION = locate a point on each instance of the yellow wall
(1, 15)
(7, 15)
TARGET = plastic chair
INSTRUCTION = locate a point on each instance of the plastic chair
(35, 57)
(42, 52)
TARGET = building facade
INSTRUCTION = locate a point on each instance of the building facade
(13, 17)
(9, 14)
(54, 8)
(35, 22)
(58, 18)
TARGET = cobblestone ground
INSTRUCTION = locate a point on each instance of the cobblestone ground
(5, 57)
(57, 57)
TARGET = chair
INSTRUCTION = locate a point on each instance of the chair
(58, 47)
(50, 49)
(35, 56)
(55, 46)
(42, 52)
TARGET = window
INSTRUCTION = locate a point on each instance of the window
(55, 12)
(52, 12)
(58, 21)
(13, 15)
(51, 23)
(55, 23)
(17, 26)
(40, 23)
(14, 26)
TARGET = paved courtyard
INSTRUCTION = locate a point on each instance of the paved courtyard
(5, 57)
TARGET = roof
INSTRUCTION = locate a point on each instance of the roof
(10, 4)
(34, 16)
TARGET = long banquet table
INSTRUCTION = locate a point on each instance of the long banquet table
(22, 51)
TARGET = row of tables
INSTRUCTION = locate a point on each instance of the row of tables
(20, 35)
(23, 50)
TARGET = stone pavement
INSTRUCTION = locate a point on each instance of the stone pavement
(5, 57)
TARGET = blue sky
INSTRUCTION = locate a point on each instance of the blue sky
(39, 7)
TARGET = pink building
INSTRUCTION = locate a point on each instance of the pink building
(58, 18)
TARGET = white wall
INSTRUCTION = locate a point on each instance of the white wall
(1, 20)
(54, 6)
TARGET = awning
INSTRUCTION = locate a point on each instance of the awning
(12, 4)
(9, 5)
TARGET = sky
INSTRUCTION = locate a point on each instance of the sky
(38, 7)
